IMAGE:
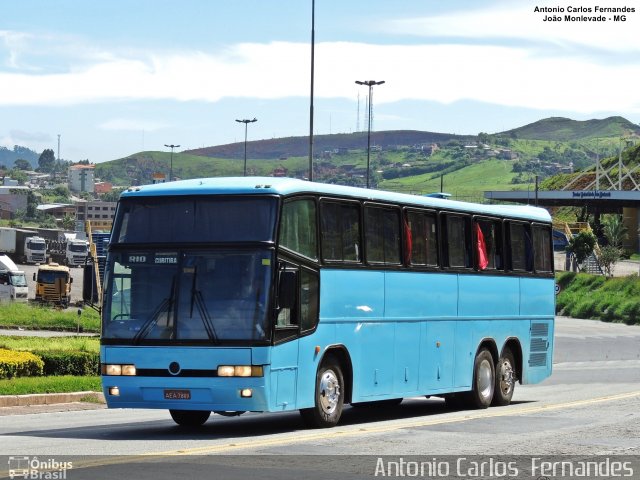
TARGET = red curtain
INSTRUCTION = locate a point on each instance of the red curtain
(483, 261)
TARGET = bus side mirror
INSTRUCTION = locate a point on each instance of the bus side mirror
(287, 288)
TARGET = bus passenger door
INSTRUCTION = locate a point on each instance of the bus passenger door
(293, 372)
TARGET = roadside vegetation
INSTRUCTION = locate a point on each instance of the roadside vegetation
(598, 297)
(60, 384)
(29, 317)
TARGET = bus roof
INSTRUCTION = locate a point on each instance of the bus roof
(290, 186)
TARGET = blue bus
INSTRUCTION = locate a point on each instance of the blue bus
(230, 295)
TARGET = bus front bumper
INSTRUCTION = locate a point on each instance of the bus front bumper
(180, 393)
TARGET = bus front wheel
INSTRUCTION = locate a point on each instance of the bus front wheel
(505, 379)
(484, 381)
(190, 418)
(329, 397)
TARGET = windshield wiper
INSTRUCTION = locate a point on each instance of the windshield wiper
(196, 298)
(148, 325)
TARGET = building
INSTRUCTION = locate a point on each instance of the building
(99, 213)
(81, 178)
(158, 178)
(103, 187)
(12, 199)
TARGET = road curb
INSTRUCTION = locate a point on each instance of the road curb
(48, 398)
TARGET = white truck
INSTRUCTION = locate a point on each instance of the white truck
(13, 282)
(76, 252)
(24, 246)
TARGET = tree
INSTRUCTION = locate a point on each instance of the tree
(22, 164)
(581, 245)
(609, 256)
(47, 161)
(68, 222)
(615, 231)
(32, 204)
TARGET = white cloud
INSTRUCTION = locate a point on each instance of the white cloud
(513, 76)
(131, 124)
(520, 22)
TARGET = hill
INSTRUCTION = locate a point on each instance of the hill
(401, 160)
(277, 148)
(566, 130)
(8, 157)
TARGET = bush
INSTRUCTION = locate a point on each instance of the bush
(69, 362)
(19, 364)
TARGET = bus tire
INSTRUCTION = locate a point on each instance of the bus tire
(190, 418)
(505, 379)
(484, 381)
(329, 397)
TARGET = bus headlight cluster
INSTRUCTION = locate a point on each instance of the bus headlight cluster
(114, 370)
(240, 371)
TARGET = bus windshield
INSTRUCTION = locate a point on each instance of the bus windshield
(181, 296)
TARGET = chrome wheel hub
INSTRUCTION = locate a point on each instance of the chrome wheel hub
(507, 378)
(329, 392)
(485, 379)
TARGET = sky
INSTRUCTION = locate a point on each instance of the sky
(116, 77)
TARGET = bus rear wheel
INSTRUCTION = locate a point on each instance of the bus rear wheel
(505, 379)
(484, 381)
(190, 418)
(329, 397)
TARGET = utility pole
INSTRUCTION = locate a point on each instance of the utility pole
(172, 146)
(370, 84)
(246, 123)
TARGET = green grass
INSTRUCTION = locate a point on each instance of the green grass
(607, 299)
(465, 184)
(64, 384)
(14, 315)
(30, 344)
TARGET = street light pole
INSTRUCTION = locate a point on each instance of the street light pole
(172, 146)
(370, 84)
(246, 124)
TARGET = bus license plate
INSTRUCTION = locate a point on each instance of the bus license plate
(177, 394)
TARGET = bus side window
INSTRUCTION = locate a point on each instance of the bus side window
(298, 229)
(340, 226)
(382, 235)
(303, 307)
(542, 249)
(458, 241)
(521, 247)
(424, 239)
(488, 241)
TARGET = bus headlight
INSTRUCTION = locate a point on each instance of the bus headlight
(240, 371)
(115, 369)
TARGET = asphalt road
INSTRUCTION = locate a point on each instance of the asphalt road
(589, 406)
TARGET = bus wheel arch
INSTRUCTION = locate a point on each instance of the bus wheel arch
(341, 355)
(484, 376)
(329, 391)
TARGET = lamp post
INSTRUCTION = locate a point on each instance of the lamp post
(172, 146)
(313, 46)
(246, 124)
(370, 84)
